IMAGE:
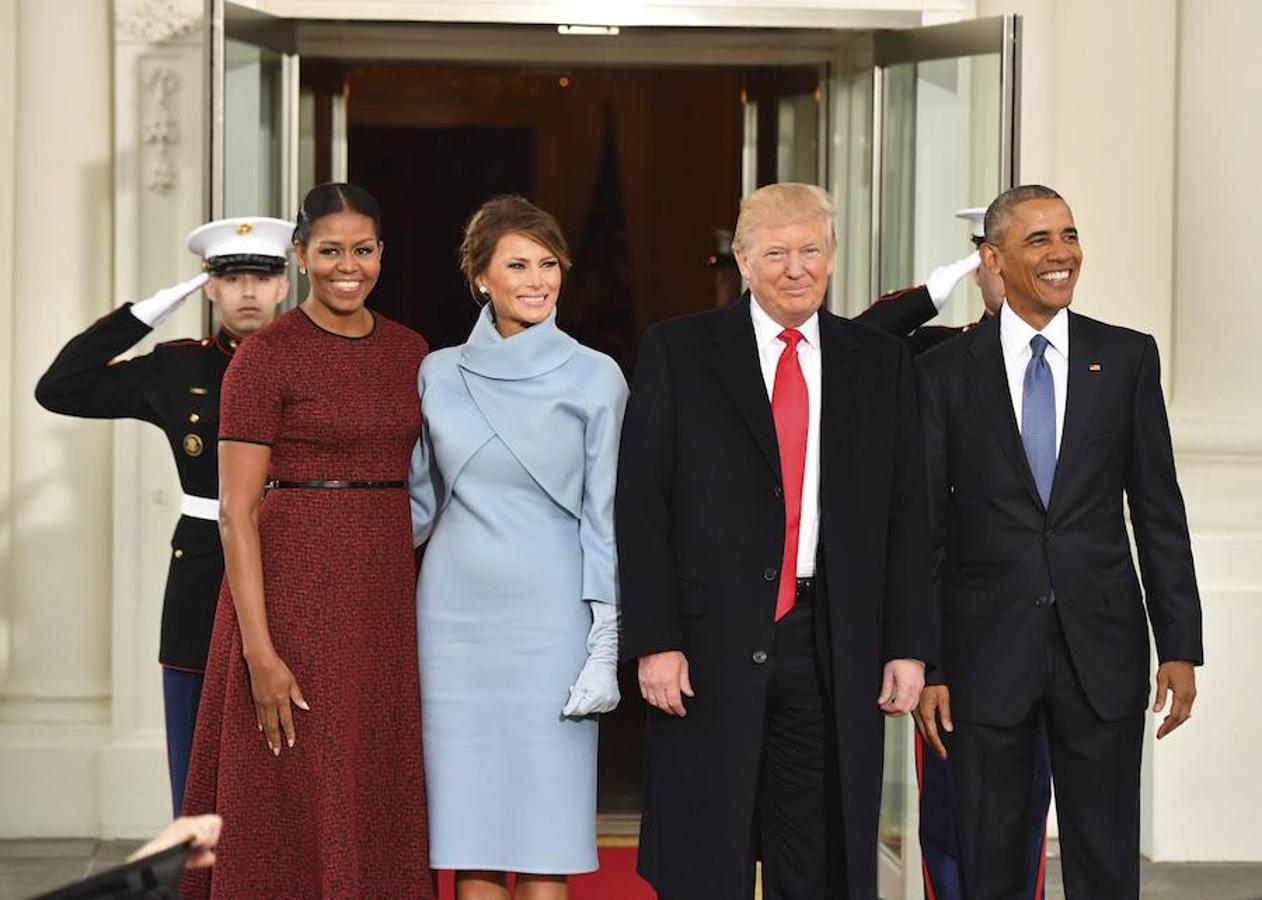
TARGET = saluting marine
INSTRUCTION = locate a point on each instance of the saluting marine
(176, 387)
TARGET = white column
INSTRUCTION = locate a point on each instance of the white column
(56, 681)
(1207, 781)
(159, 112)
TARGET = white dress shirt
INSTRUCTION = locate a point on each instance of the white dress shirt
(770, 347)
(1015, 334)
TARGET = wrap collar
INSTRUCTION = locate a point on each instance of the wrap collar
(528, 354)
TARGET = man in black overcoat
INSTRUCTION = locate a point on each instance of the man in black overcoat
(773, 552)
(1037, 423)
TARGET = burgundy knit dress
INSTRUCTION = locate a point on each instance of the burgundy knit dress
(342, 814)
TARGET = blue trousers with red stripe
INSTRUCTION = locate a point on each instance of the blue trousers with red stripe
(181, 692)
(939, 845)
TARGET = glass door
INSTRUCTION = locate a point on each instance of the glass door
(945, 104)
(255, 133)
(945, 136)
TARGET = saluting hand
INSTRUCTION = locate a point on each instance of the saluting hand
(664, 681)
(274, 688)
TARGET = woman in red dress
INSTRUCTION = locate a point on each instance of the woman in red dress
(308, 739)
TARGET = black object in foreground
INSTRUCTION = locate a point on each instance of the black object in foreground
(152, 877)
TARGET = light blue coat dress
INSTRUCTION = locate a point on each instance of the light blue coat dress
(513, 483)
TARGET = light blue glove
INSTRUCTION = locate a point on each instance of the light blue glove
(596, 688)
(154, 310)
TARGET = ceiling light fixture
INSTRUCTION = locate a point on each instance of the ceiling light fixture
(602, 30)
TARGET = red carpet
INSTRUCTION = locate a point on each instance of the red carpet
(615, 880)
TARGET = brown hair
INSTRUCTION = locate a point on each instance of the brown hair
(507, 214)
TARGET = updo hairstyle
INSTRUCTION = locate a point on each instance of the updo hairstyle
(334, 197)
(507, 214)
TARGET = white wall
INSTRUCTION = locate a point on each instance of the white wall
(1207, 805)
(55, 693)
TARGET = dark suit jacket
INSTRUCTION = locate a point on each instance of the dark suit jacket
(905, 313)
(700, 528)
(999, 554)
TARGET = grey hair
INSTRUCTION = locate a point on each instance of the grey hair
(1001, 207)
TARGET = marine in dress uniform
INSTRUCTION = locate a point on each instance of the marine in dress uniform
(905, 313)
(176, 387)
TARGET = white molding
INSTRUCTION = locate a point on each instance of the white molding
(623, 13)
(160, 129)
(157, 21)
(1236, 440)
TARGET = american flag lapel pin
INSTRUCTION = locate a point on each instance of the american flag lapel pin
(1093, 367)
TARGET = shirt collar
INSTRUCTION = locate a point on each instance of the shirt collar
(1015, 333)
(226, 341)
(767, 330)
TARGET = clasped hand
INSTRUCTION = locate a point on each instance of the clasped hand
(274, 689)
(596, 688)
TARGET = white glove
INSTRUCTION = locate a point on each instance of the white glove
(942, 280)
(596, 688)
(154, 310)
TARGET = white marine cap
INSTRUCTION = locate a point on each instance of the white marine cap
(977, 216)
(245, 244)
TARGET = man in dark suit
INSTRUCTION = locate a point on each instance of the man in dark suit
(1037, 423)
(773, 553)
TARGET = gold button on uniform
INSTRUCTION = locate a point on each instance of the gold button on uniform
(194, 418)
(178, 553)
(193, 445)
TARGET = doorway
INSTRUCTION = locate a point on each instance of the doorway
(641, 143)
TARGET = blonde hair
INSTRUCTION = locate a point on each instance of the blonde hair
(783, 204)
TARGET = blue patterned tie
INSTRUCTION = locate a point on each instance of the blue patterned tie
(1038, 418)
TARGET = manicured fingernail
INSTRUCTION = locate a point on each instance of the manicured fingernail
(291, 742)
(302, 704)
(260, 726)
(276, 751)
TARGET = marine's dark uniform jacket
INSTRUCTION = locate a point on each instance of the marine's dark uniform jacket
(905, 313)
(176, 387)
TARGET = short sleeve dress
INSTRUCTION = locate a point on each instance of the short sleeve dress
(342, 813)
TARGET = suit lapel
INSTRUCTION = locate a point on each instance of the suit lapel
(989, 378)
(736, 360)
(1080, 394)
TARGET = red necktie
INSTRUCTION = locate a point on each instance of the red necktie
(791, 410)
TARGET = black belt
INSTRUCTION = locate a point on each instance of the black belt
(326, 485)
(805, 592)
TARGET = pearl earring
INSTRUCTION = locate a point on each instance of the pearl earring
(482, 289)
(302, 270)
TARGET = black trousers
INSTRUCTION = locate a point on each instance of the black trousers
(796, 819)
(795, 825)
(1095, 773)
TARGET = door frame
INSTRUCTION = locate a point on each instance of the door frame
(856, 47)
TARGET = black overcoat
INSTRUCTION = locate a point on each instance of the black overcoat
(700, 529)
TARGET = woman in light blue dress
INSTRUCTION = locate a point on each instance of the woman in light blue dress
(512, 484)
